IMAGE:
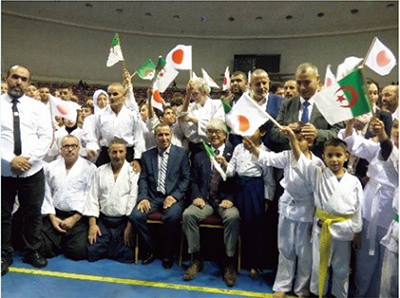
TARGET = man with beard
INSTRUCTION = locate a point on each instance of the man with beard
(25, 139)
(290, 88)
(390, 99)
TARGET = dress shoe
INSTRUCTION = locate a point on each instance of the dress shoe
(149, 259)
(167, 263)
(194, 267)
(5, 264)
(35, 259)
(229, 276)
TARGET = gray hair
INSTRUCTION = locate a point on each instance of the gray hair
(202, 85)
(217, 124)
(302, 68)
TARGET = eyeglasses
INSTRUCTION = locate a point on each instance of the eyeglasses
(72, 147)
(216, 131)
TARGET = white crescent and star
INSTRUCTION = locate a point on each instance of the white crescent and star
(353, 99)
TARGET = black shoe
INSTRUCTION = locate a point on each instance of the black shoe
(167, 263)
(149, 259)
(229, 276)
(5, 264)
(35, 259)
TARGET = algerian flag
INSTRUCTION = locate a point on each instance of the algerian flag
(380, 59)
(329, 77)
(147, 70)
(226, 84)
(227, 107)
(210, 82)
(344, 99)
(165, 74)
(180, 57)
(246, 116)
(216, 165)
(115, 52)
(156, 99)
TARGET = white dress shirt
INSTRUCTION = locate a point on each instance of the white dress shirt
(112, 197)
(36, 133)
(67, 191)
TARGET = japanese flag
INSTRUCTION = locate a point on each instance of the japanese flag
(380, 59)
(209, 80)
(156, 100)
(329, 77)
(180, 57)
(226, 84)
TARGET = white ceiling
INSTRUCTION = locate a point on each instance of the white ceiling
(216, 19)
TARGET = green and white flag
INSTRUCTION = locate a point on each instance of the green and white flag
(216, 165)
(115, 54)
(164, 76)
(147, 70)
(344, 99)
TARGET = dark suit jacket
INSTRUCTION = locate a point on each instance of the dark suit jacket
(273, 105)
(177, 176)
(200, 179)
(289, 113)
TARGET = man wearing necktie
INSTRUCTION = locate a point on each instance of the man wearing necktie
(25, 139)
(163, 182)
(302, 108)
(209, 194)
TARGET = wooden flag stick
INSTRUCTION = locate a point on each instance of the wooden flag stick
(134, 74)
(369, 50)
(265, 113)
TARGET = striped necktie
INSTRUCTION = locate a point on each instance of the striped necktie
(162, 172)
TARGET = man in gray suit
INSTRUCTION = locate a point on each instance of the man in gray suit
(302, 108)
(163, 182)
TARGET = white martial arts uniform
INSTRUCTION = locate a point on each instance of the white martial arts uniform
(342, 197)
(390, 269)
(377, 214)
(110, 197)
(177, 138)
(67, 191)
(296, 214)
(54, 151)
(212, 109)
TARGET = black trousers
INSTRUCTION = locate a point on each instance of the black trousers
(30, 191)
(72, 243)
(105, 158)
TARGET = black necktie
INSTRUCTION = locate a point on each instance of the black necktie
(214, 180)
(17, 132)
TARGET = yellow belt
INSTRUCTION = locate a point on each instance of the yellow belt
(325, 244)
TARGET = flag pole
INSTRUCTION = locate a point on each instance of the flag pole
(134, 74)
(265, 113)
(190, 74)
(123, 61)
(369, 51)
(366, 91)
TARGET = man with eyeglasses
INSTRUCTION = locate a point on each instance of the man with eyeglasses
(25, 139)
(209, 194)
(67, 184)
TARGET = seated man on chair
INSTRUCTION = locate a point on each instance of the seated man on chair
(67, 184)
(162, 185)
(111, 198)
(209, 194)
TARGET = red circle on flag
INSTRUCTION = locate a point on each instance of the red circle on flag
(62, 109)
(225, 81)
(177, 56)
(382, 59)
(328, 82)
(244, 123)
(157, 96)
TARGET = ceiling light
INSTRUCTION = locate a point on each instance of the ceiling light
(203, 18)
(259, 18)
(89, 5)
(354, 11)
(231, 19)
(175, 17)
(391, 5)
(148, 14)
(320, 15)
(119, 10)
(289, 17)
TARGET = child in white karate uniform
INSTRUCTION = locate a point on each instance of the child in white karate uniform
(377, 212)
(337, 197)
(296, 213)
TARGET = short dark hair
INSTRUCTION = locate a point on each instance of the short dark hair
(160, 125)
(86, 105)
(65, 85)
(335, 142)
(239, 73)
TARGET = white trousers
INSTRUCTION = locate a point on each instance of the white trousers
(390, 275)
(339, 260)
(294, 244)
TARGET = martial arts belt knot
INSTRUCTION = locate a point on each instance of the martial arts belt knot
(325, 244)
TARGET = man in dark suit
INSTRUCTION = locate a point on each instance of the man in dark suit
(163, 182)
(209, 194)
(302, 108)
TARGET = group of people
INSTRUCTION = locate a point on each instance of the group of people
(85, 190)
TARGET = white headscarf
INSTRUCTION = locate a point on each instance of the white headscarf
(95, 96)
